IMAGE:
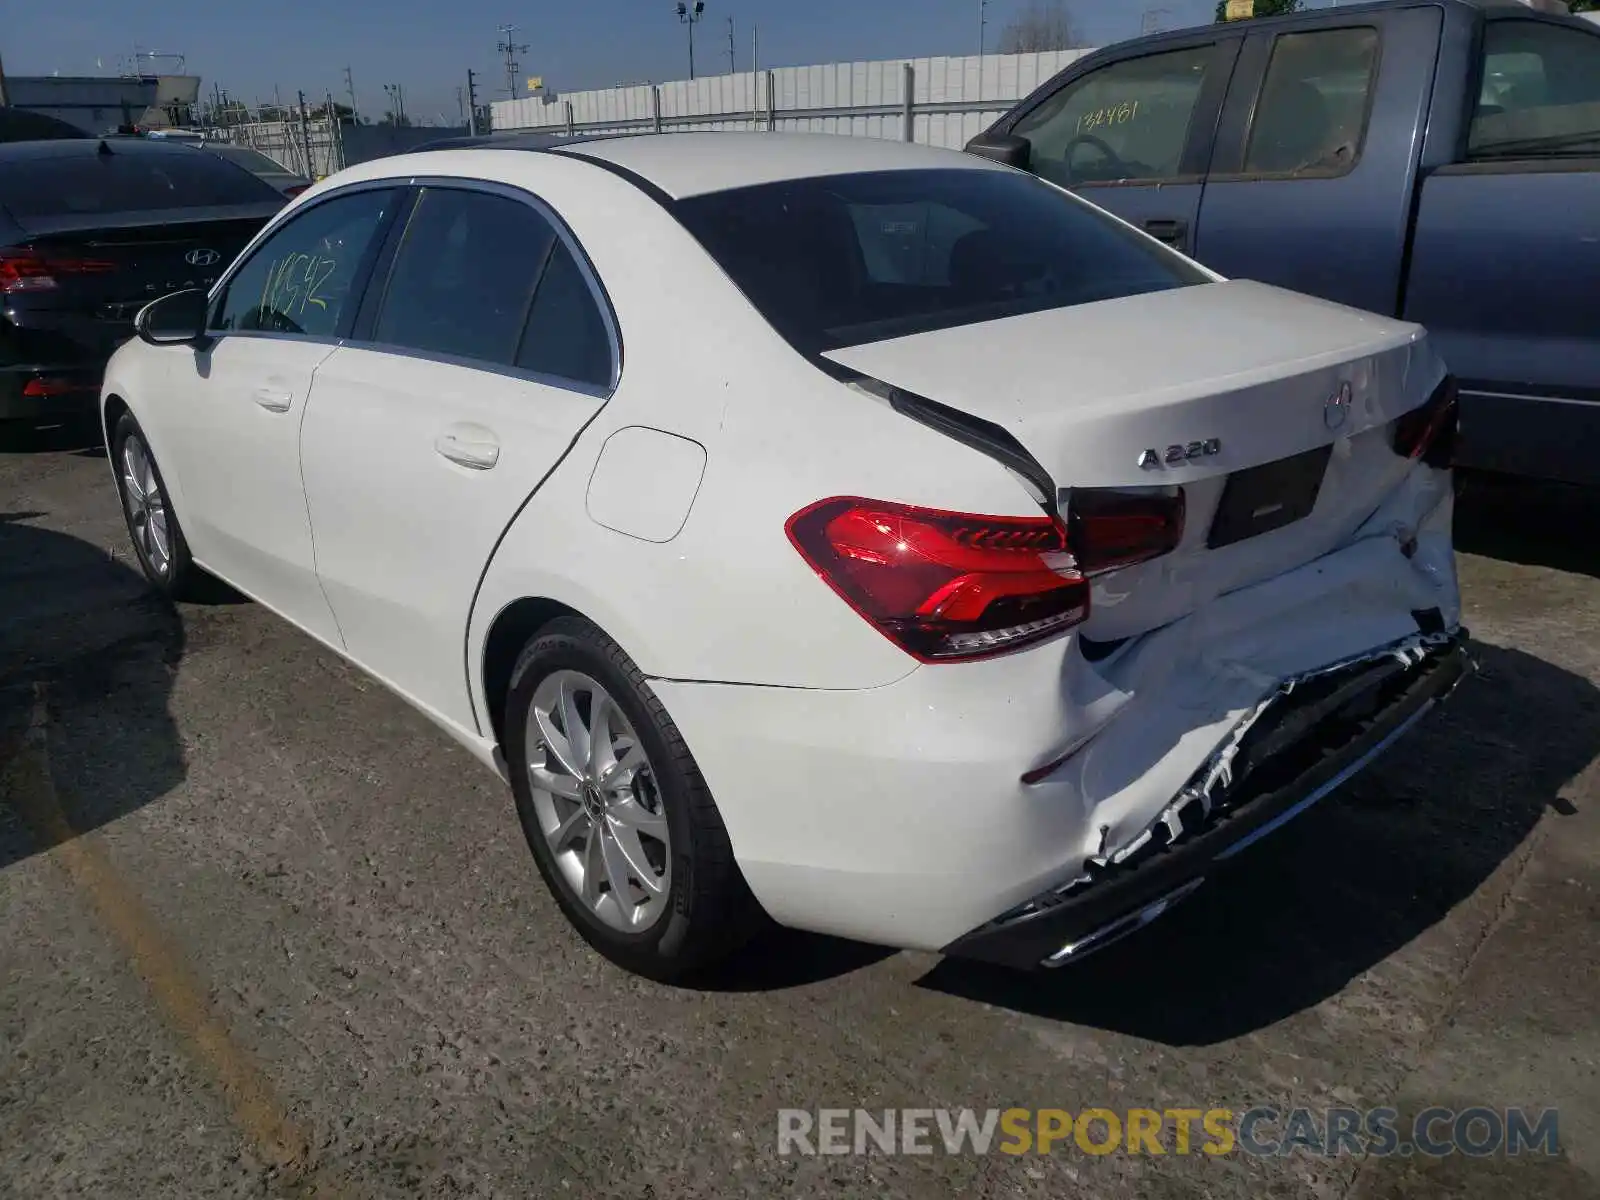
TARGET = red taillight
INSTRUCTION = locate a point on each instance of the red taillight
(944, 585)
(295, 189)
(1112, 527)
(26, 271)
(1429, 432)
(46, 385)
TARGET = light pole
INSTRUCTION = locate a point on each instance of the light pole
(983, 23)
(510, 47)
(690, 14)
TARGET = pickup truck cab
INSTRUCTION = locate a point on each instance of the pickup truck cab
(1435, 160)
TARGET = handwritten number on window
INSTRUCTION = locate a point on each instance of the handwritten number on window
(1110, 114)
(295, 281)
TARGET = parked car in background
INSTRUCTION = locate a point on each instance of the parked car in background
(92, 230)
(268, 170)
(20, 125)
(1432, 159)
(969, 583)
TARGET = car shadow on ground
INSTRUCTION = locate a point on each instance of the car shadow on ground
(1338, 891)
(80, 436)
(86, 635)
(1535, 524)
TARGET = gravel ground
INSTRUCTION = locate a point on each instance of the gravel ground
(267, 932)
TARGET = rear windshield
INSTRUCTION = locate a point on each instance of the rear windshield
(250, 160)
(847, 259)
(127, 182)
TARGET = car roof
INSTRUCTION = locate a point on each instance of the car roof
(693, 164)
(88, 147)
(516, 139)
(680, 165)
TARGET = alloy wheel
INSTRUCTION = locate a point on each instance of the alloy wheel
(146, 505)
(597, 802)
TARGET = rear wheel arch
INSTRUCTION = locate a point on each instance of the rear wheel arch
(514, 626)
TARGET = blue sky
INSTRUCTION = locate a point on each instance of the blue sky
(427, 45)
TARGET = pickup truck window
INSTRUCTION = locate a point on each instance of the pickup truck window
(1540, 95)
(1312, 113)
(1128, 120)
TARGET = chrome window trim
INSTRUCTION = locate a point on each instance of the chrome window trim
(586, 269)
(271, 229)
(591, 279)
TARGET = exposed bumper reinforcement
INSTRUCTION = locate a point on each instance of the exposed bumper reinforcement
(1304, 740)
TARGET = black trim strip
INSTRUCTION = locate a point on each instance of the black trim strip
(639, 181)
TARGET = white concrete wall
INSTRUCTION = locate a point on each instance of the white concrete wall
(727, 101)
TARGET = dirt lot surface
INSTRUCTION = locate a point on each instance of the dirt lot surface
(267, 932)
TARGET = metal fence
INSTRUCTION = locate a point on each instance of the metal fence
(937, 101)
(317, 147)
(313, 147)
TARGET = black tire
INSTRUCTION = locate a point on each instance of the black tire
(177, 577)
(709, 910)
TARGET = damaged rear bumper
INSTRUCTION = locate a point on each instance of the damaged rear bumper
(1311, 734)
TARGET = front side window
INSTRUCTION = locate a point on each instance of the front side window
(845, 259)
(1128, 120)
(1541, 93)
(464, 276)
(300, 279)
(1312, 112)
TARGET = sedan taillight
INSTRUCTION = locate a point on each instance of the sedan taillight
(1429, 432)
(1117, 527)
(945, 586)
(27, 271)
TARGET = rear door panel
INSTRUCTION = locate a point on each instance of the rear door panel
(1338, 230)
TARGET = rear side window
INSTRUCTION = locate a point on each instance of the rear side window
(1312, 112)
(566, 335)
(125, 181)
(1127, 120)
(464, 276)
(1541, 93)
(847, 259)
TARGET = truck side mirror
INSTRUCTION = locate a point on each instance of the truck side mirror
(1002, 148)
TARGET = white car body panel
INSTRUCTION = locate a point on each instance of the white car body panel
(403, 531)
(943, 751)
(234, 435)
(864, 794)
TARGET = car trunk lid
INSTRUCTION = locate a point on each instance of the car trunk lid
(106, 261)
(1270, 410)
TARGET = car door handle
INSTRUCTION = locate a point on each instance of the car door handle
(1173, 233)
(273, 400)
(475, 449)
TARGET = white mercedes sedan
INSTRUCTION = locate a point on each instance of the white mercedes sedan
(865, 535)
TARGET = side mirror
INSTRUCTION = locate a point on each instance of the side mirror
(178, 319)
(1002, 148)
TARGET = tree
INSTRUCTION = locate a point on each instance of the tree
(341, 112)
(1264, 8)
(1043, 25)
